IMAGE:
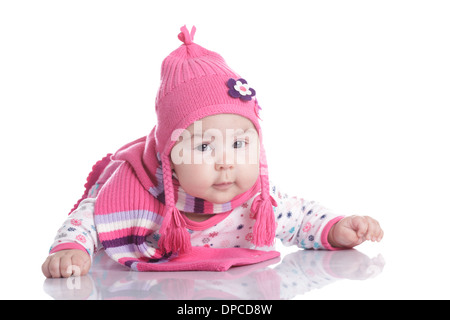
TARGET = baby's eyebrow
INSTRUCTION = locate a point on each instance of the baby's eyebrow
(242, 132)
(196, 135)
(201, 136)
(248, 130)
(211, 133)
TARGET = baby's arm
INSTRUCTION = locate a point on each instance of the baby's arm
(309, 225)
(75, 243)
(303, 223)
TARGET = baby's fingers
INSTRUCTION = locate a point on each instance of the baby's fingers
(367, 228)
(51, 266)
(360, 225)
(80, 264)
(74, 265)
(45, 268)
(68, 268)
(374, 232)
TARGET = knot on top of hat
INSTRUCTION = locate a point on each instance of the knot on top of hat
(186, 37)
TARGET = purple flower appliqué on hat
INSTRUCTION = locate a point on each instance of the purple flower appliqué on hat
(240, 89)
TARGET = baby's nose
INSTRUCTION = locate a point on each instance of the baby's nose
(224, 166)
(225, 161)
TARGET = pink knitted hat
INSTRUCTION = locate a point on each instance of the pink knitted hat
(196, 83)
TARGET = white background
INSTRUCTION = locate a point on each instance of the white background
(354, 96)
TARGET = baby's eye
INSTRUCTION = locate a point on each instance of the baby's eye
(203, 147)
(239, 144)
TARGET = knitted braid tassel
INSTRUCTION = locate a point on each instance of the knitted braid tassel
(262, 209)
(174, 236)
(264, 228)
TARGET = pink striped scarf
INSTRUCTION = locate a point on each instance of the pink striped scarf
(130, 209)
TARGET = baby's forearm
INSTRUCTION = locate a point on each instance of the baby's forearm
(78, 231)
(305, 224)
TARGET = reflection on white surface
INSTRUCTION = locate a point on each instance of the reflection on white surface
(296, 274)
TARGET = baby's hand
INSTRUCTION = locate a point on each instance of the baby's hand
(65, 263)
(354, 230)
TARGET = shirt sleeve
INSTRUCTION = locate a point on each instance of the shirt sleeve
(78, 231)
(302, 223)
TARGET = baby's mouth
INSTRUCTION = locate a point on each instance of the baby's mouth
(223, 185)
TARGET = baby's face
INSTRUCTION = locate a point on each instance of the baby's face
(217, 158)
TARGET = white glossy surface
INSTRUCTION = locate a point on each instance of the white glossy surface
(297, 274)
(349, 274)
(355, 98)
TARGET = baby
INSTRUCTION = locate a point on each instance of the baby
(195, 193)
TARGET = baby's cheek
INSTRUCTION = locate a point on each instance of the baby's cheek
(193, 177)
(248, 175)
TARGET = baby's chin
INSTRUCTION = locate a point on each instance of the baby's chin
(221, 197)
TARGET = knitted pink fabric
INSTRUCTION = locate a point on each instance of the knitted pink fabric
(141, 195)
(209, 259)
